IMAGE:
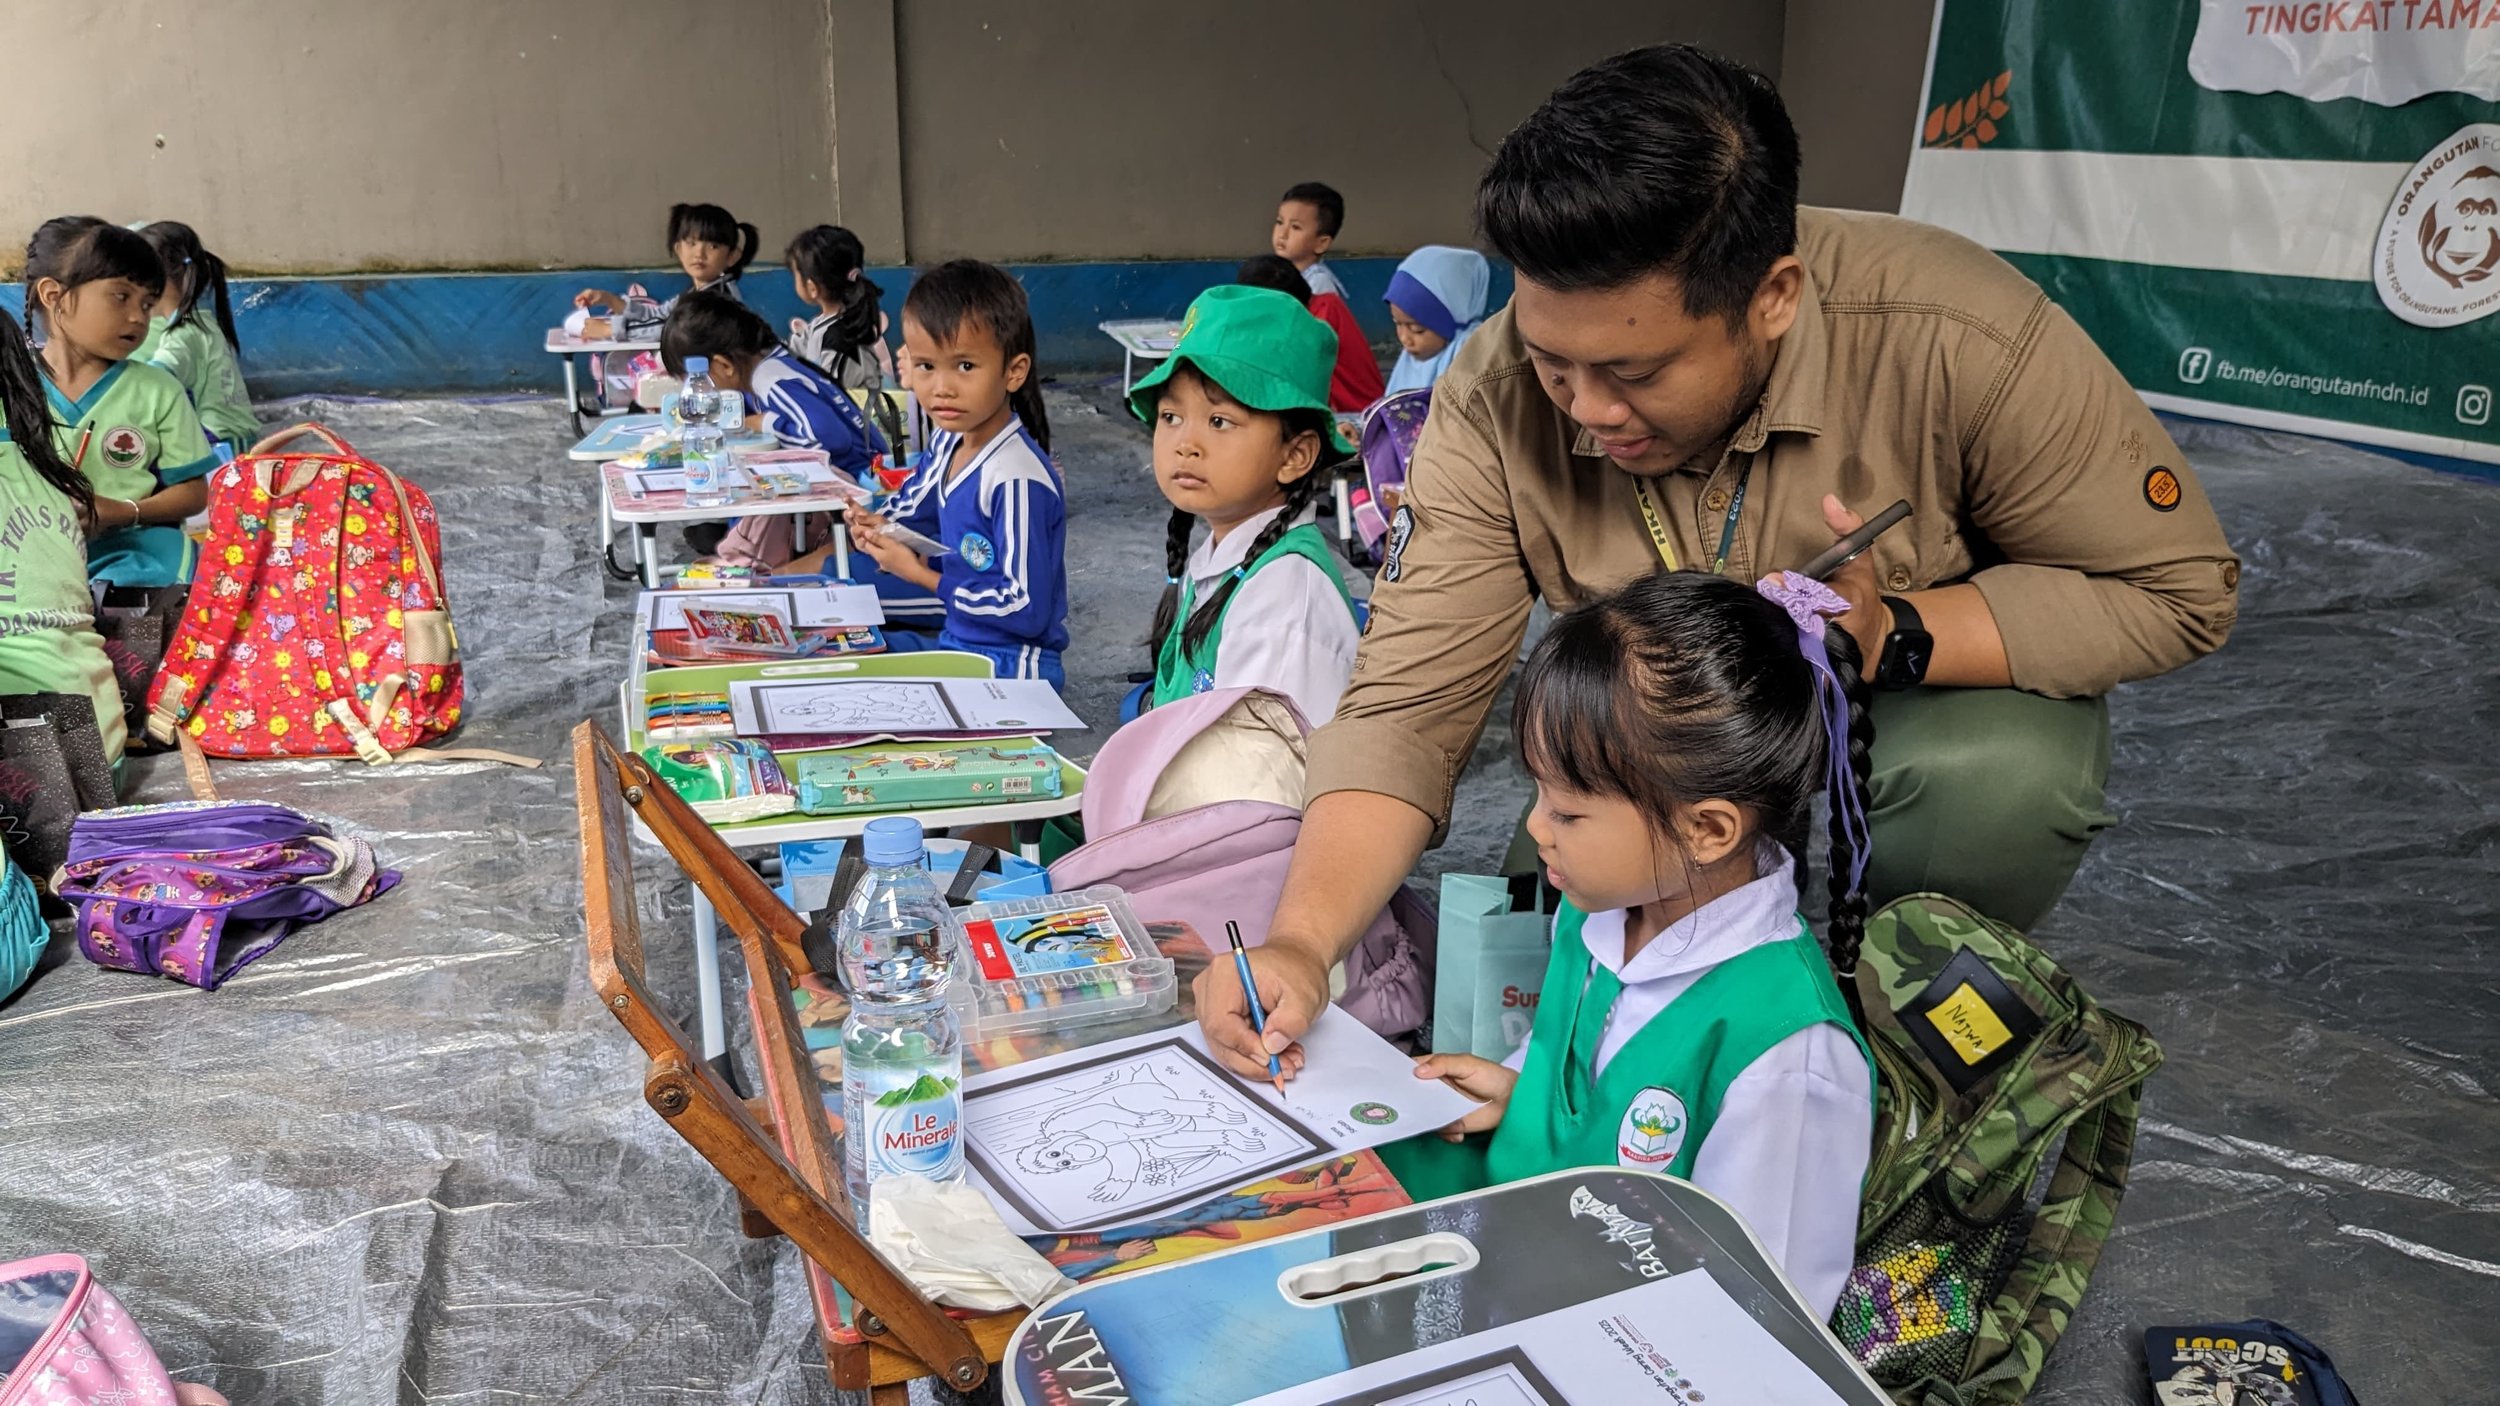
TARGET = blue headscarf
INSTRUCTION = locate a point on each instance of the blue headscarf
(1444, 289)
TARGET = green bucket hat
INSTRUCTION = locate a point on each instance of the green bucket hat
(1264, 348)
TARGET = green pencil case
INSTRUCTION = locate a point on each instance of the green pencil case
(918, 778)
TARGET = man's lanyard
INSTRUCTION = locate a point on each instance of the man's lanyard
(1727, 530)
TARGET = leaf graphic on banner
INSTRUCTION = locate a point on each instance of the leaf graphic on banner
(1970, 121)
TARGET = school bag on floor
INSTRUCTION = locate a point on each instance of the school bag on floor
(317, 626)
(1192, 810)
(1990, 1063)
(66, 1341)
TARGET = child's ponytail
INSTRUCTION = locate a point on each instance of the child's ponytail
(1848, 854)
(29, 419)
(201, 274)
(748, 240)
(833, 259)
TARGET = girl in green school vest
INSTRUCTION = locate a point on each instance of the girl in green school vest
(1243, 442)
(1679, 732)
(128, 426)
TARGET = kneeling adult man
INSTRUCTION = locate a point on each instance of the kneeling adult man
(1695, 373)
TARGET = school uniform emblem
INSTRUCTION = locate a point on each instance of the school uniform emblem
(1652, 1131)
(976, 551)
(125, 447)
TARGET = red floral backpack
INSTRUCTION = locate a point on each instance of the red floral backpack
(317, 625)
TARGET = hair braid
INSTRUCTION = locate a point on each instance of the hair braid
(1849, 905)
(1175, 565)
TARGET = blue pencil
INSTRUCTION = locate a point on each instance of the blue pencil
(1250, 989)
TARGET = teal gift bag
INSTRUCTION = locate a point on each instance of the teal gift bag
(1496, 937)
(22, 931)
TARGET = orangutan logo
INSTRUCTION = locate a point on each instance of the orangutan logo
(2437, 259)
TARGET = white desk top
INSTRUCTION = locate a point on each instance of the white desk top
(564, 343)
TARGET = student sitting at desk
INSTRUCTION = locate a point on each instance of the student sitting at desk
(1679, 732)
(986, 490)
(711, 245)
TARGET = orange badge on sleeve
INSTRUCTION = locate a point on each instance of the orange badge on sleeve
(2161, 489)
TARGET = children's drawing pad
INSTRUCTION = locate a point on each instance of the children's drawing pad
(1121, 1132)
(906, 706)
(1595, 1287)
(803, 607)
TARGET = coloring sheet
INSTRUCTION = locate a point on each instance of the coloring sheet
(801, 607)
(925, 545)
(1678, 1341)
(1122, 1132)
(909, 707)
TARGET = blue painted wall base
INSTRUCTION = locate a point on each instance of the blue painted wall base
(407, 334)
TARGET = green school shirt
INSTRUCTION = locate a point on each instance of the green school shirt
(1660, 1093)
(199, 356)
(48, 642)
(1180, 672)
(132, 433)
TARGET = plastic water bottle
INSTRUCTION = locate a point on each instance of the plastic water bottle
(902, 1048)
(706, 462)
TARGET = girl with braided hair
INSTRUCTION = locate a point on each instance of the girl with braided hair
(1244, 444)
(1679, 732)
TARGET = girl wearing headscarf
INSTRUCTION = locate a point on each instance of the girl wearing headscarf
(1437, 299)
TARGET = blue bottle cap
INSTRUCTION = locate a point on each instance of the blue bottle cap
(698, 366)
(894, 839)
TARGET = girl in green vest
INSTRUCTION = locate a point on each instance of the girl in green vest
(1243, 445)
(1679, 732)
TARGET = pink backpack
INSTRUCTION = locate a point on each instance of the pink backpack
(1193, 810)
(66, 1341)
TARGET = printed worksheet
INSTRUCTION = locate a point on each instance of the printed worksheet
(905, 707)
(800, 607)
(1121, 1132)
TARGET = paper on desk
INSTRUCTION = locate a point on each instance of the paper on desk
(800, 607)
(1130, 1129)
(831, 703)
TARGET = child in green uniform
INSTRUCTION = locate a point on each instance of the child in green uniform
(127, 426)
(48, 642)
(1679, 732)
(201, 354)
(1244, 444)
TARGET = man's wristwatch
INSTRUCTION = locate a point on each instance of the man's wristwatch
(1907, 649)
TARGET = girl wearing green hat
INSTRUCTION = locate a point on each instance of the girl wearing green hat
(1244, 443)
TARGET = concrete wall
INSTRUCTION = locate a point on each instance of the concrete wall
(331, 135)
(1851, 72)
(1166, 130)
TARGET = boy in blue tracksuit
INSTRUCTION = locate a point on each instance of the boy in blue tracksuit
(986, 491)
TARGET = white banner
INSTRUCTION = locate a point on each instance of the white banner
(2387, 52)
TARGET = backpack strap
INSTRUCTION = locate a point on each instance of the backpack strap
(2046, 1284)
(177, 693)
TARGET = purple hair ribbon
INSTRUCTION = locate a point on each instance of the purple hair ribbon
(1812, 606)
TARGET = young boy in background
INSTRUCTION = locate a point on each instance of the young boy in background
(1307, 221)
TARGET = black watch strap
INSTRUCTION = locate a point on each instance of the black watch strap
(1907, 649)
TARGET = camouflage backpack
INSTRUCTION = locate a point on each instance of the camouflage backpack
(1989, 1059)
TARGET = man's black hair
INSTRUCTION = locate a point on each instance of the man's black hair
(1668, 160)
(1274, 271)
(1324, 198)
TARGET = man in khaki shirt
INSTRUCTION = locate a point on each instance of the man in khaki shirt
(1696, 374)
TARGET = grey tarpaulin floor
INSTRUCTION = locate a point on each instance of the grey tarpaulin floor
(405, 1158)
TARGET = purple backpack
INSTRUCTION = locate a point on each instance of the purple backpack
(196, 890)
(1187, 813)
(1390, 430)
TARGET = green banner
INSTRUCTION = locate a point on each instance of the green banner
(2280, 214)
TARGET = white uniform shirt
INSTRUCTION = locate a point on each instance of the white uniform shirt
(1790, 1148)
(1288, 628)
